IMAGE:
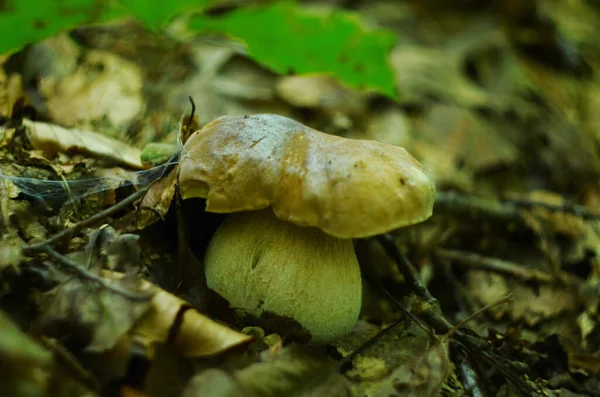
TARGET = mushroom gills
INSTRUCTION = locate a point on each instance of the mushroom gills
(263, 266)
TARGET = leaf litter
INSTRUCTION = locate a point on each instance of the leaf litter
(507, 131)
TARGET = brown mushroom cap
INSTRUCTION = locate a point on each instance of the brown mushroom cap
(348, 188)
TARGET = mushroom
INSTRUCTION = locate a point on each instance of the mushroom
(296, 198)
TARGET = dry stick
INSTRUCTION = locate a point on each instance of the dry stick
(347, 361)
(476, 261)
(476, 313)
(85, 273)
(504, 210)
(406, 268)
(29, 249)
(46, 247)
(431, 313)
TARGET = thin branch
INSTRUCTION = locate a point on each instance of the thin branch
(406, 268)
(503, 210)
(85, 273)
(66, 233)
(347, 361)
(476, 261)
(430, 312)
(476, 313)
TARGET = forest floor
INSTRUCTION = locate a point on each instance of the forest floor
(500, 104)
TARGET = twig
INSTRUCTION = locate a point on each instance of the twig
(430, 312)
(347, 361)
(41, 247)
(83, 272)
(476, 261)
(406, 268)
(478, 312)
(574, 209)
(372, 278)
(503, 210)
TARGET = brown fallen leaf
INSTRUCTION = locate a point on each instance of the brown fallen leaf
(403, 362)
(103, 88)
(561, 222)
(157, 201)
(172, 320)
(89, 317)
(25, 364)
(291, 371)
(34, 369)
(11, 89)
(320, 92)
(53, 139)
(10, 240)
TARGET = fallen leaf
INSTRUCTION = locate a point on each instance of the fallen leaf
(52, 139)
(291, 371)
(104, 86)
(560, 221)
(320, 92)
(89, 316)
(454, 141)
(157, 201)
(189, 332)
(406, 362)
(533, 307)
(488, 288)
(26, 366)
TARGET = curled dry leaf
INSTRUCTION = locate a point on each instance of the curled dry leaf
(52, 139)
(99, 318)
(172, 320)
(157, 200)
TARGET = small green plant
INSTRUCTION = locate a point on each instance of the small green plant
(283, 36)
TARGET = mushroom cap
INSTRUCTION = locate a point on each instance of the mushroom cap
(348, 188)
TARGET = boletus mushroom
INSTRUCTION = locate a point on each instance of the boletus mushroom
(296, 198)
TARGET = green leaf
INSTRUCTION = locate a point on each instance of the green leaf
(288, 38)
(29, 21)
(155, 14)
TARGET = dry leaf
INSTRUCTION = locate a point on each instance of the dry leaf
(536, 306)
(454, 141)
(560, 221)
(420, 376)
(90, 316)
(195, 336)
(26, 366)
(157, 201)
(102, 87)
(52, 139)
(321, 92)
(406, 362)
(291, 371)
(10, 241)
(488, 288)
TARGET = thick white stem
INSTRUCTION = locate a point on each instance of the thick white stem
(260, 264)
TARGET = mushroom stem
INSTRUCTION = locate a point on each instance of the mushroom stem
(261, 264)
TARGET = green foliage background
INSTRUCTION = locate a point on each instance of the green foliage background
(283, 36)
